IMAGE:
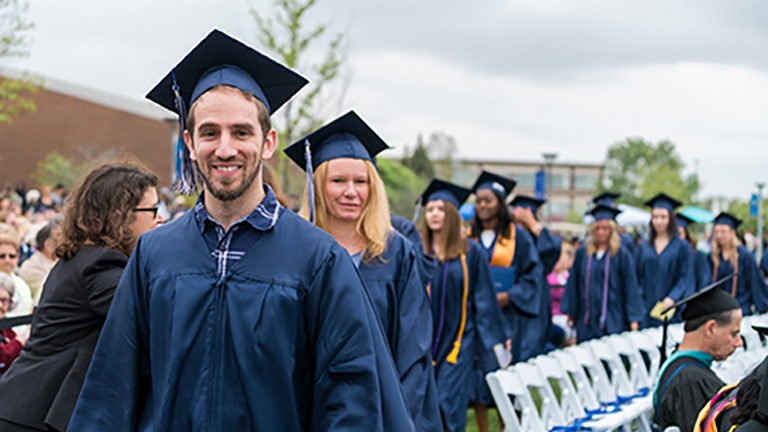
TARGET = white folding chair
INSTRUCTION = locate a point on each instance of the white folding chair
(601, 385)
(581, 383)
(550, 413)
(645, 342)
(619, 378)
(639, 378)
(570, 405)
(505, 383)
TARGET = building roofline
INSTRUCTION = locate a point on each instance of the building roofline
(132, 106)
(529, 163)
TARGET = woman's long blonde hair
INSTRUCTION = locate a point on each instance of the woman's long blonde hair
(732, 255)
(614, 242)
(374, 224)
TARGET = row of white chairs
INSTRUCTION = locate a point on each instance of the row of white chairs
(604, 384)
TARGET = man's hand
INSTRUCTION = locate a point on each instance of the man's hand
(634, 326)
(668, 302)
(503, 299)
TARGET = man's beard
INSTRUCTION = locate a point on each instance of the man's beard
(231, 195)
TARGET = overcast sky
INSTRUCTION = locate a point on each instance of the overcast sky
(507, 79)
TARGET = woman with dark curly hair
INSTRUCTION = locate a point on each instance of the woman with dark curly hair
(107, 212)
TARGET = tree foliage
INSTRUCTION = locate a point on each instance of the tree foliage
(14, 42)
(403, 186)
(419, 161)
(287, 36)
(639, 170)
(58, 169)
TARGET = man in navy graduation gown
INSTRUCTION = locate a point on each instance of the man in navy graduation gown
(239, 316)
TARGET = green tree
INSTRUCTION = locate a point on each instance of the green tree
(289, 38)
(14, 42)
(638, 170)
(403, 186)
(419, 161)
(57, 168)
(442, 149)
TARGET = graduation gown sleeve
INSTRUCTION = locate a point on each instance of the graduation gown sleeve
(633, 303)
(570, 303)
(525, 294)
(548, 247)
(492, 328)
(702, 271)
(683, 274)
(411, 348)
(754, 280)
(764, 264)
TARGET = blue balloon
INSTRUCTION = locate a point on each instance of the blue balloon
(467, 211)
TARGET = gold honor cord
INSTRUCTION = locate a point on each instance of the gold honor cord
(454, 355)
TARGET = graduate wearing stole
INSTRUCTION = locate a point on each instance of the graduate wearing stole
(548, 247)
(465, 311)
(699, 267)
(664, 271)
(609, 199)
(601, 296)
(239, 315)
(748, 286)
(350, 203)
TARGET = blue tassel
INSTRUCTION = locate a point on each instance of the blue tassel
(310, 182)
(188, 179)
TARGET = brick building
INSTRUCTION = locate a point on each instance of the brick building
(84, 124)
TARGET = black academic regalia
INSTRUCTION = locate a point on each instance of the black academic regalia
(751, 290)
(665, 274)
(402, 304)
(286, 340)
(685, 394)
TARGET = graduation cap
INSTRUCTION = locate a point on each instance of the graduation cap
(220, 60)
(684, 221)
(707, 301)
(664, 201)
(606, 198)
(727, 219)
(527, 202)
(501, 185)
(441, 189)
(345, 137)
(604, 212)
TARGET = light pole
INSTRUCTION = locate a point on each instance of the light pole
(760, 187)
(550, 159)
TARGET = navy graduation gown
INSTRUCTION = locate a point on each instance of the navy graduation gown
(287, 340)
(751, 291)
(402, 304)
(668, 274)
(484, 324)
(702, 272)
(408, 230)
(623, 306)
(525, 299)
(764, 263)
(628, 243)
(548, 247)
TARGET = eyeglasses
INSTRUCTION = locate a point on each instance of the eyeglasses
(10, 256)
(148, 209)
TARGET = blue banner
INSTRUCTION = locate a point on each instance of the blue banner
(540, 191)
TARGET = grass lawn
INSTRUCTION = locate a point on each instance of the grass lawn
(493, 420)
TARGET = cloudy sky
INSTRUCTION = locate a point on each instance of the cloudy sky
(507, 79)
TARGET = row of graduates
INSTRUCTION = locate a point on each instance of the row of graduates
(632, 285)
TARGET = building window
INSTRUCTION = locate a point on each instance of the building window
(525, 180)
(586, 182)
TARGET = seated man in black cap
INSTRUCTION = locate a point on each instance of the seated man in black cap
(712, 322)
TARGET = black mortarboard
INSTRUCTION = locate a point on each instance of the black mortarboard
(727, 219)
(501, 185)
(604, 212)
(527, 202)
(684, 221)
(345, 137)
(220, 60)
(664, 201)
(606, 198)
(707, 301)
